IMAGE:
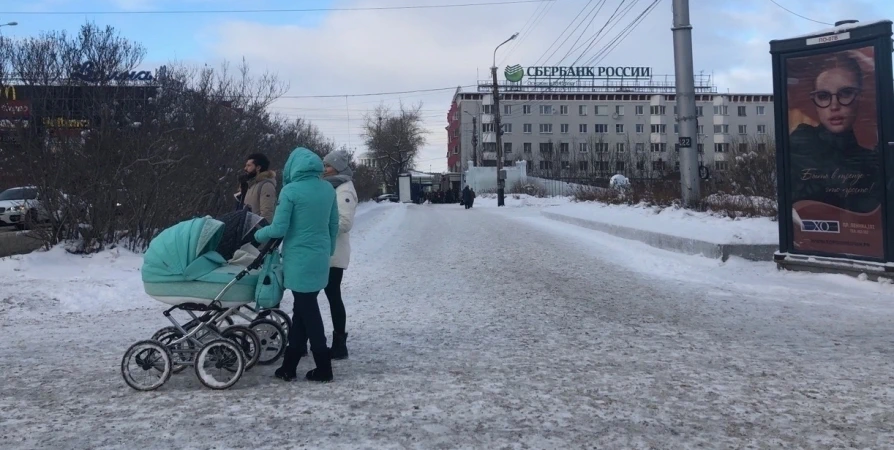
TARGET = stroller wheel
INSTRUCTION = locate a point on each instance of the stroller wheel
(281, 318)
(247, 341)
(146, 365)
(220, 364)
(182, 352)
(273, 340)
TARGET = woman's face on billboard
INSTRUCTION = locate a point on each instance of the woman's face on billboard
(836, 99)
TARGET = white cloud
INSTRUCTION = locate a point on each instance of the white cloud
(384, 51)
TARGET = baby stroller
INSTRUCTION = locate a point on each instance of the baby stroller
(185, 267)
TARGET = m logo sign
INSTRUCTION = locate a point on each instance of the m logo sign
(9, 92)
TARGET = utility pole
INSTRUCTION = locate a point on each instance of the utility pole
(498, 129)
(685, 79)
(475, 140)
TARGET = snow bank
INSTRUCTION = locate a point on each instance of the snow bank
(676, 222)
(55, 281)
(519, 201)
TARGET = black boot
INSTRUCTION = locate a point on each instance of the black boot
(323, 372)
(339, 348)
(288, 370)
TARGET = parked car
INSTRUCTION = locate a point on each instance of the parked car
(387, 198)
(21, 206)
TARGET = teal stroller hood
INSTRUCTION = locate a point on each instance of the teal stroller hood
(184, 252)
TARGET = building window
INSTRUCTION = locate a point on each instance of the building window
(487, 127)
(582, 110)
(546, 147)
(658, 165)
(659, 148)
(546, 110)
(563, 147)
(761, 129)
(676, 128)
(743, 148)
(583, 147)
(526, 147)
(721, 148)
(546, 165)
(507, 127)
(721, 129)
(700, 111)
(526, 109)
(546, 128)
(640, 165)
(566, 165)
(721, 110)
(741, 111)
(456, 133)
(619, 128)
(660, 128)
(527, 128)
(583, 128)
(563, 128)
(583, 166)
(530, 166)
(601, 110)
(621, 147)
(507, 147)
(676, 111)
(640, 147)
(456, 150)
(563, 110)
(488, 109)
(640, 128)
(761, 110)
(602, 166)
(677, 166)
(701, 130)
(657, 110)
(600, 128)
(619, 110)
(743, 129)
(640, 110)
(507, 110)
(619, 166)
(601, 147)
(701, 148)
(720, 165)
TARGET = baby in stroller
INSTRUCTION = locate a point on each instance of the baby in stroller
(211, 267)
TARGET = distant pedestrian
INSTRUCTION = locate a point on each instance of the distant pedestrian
(258, 187)
(467, 197)
(471, 197)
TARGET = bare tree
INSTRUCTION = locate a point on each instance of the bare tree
(394, 139)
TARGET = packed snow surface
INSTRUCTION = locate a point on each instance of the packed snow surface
(482, 328)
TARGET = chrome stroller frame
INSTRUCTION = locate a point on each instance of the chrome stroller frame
(209, 337)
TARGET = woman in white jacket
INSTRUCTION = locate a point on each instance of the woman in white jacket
(339, 173)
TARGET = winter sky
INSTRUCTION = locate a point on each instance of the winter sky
(358, 52)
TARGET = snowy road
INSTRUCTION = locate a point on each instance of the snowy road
(484, 329)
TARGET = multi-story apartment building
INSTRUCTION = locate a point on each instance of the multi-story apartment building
(600, 127)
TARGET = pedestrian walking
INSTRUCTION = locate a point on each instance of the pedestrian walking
(307, 220)
(467, 197)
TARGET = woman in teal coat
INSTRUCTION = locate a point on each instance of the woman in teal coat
(306, 217)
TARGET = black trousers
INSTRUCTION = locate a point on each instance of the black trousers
(336, 304)
(307, 323)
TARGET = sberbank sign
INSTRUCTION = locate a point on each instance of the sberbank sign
(516, 73)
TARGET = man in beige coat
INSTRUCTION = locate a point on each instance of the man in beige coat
(258, 186)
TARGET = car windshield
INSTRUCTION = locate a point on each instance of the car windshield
(18, 194)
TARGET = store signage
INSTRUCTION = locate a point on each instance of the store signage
(15, 109)
(61, 122)
(9, 92)
(89, 73)
(516, 73)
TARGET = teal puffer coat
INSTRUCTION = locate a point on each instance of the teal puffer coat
(306, 218)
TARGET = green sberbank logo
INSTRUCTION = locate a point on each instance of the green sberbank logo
(514, 73)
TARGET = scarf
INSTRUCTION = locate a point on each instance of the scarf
(338, 180)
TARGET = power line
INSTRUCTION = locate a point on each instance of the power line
(289, 10)
(803, 17)
(598, 36)
(562, 33)
(623, 34)
(376, 93)
(595, 12)
(524, 34)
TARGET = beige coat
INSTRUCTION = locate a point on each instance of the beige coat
(261, 195)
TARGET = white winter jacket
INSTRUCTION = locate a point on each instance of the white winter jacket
(347, 206)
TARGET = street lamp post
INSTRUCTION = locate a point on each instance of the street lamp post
(474, 138)
(498, 129)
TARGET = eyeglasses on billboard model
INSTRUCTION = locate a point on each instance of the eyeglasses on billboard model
(845, 97)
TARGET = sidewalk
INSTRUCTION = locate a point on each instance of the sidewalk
(676, 230)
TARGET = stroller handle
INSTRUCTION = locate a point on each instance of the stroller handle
(264, 250)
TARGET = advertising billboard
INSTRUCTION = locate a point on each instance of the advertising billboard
(831, 113)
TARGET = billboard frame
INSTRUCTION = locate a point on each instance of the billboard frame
(848, 36)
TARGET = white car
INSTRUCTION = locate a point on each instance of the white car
(16, 203)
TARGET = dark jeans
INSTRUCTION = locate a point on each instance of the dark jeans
(336, 305)
(307, 323)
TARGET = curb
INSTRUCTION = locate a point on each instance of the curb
(752, 252)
